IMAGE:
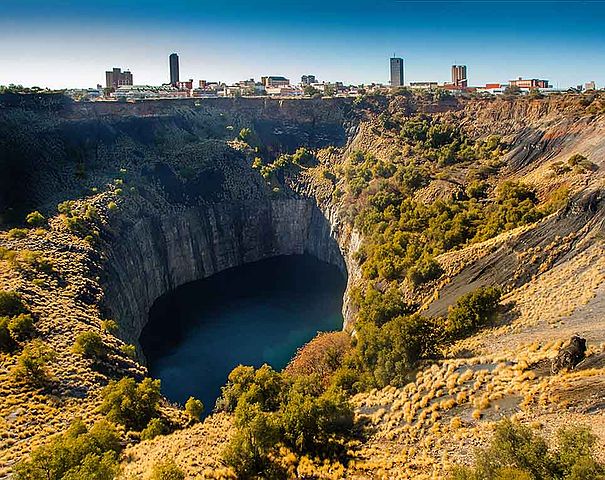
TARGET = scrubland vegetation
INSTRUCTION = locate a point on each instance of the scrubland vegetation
(516, 452)
(300, 423)
(78, 454)
(275, 411)
(402, 234)
(273, 172)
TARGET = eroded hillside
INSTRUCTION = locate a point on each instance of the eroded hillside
(420, 200)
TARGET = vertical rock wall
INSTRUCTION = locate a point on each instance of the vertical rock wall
(159, 253)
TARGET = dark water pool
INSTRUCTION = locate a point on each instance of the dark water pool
(254, 314)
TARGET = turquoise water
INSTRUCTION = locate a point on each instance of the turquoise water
(254, 314)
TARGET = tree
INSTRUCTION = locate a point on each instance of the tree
(321, 357)
(90, 344)
(154, 428)
(535, 93)
(78, 454)
(194, 408)
(11, 304)
(35, 219)
(311, 91)
(166, 470)
(32, 364)
(309, 421)
(262, 386)
(389, 353)
(257, 433)
(471, 311)
(130, 403)
(512, 90)
(329, 90)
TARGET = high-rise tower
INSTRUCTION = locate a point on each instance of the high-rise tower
(459, 77)
(396, 72)
(174, 69)
(115, 78)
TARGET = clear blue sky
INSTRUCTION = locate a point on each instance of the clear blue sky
(67, 43)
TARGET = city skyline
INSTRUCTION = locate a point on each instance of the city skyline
(71, 44)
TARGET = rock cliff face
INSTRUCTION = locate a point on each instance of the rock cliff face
(202, 208)
(159, 253)
(175, 200)
(52, 149)
(218, 216)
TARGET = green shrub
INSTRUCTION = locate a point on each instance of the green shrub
(559, 168)
(257, 163)
(109, 326)
(75, 224)
(32, 363)
(194, 408)
(348, 379)
(303, 157)
(425, 270)
(65, 207)
(516, 452)
(35, 219)
(261, 386)
(28, 260)
(166, 470)
(581, 164)
(574, 454)
(81, 222)
(77, 454)
(21, 327)
(16, 233)
(130, 403)
(7, 342)
(90, 344)
(276, 410)
(472, 311)
(11, 304)
(245, 134)
(477, 189)
(154, 428)
(112, 206)
(576, 159)
(129, 350)
(257, 433)
(390, 352)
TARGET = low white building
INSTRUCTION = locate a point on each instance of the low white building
(142, 92)
(284, 91)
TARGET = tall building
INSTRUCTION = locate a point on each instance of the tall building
(590, 85)
(396, 72)
(308, 79)
(459, 78)
(115, 78)
(174, 69)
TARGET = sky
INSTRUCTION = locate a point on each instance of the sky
(67, 43)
